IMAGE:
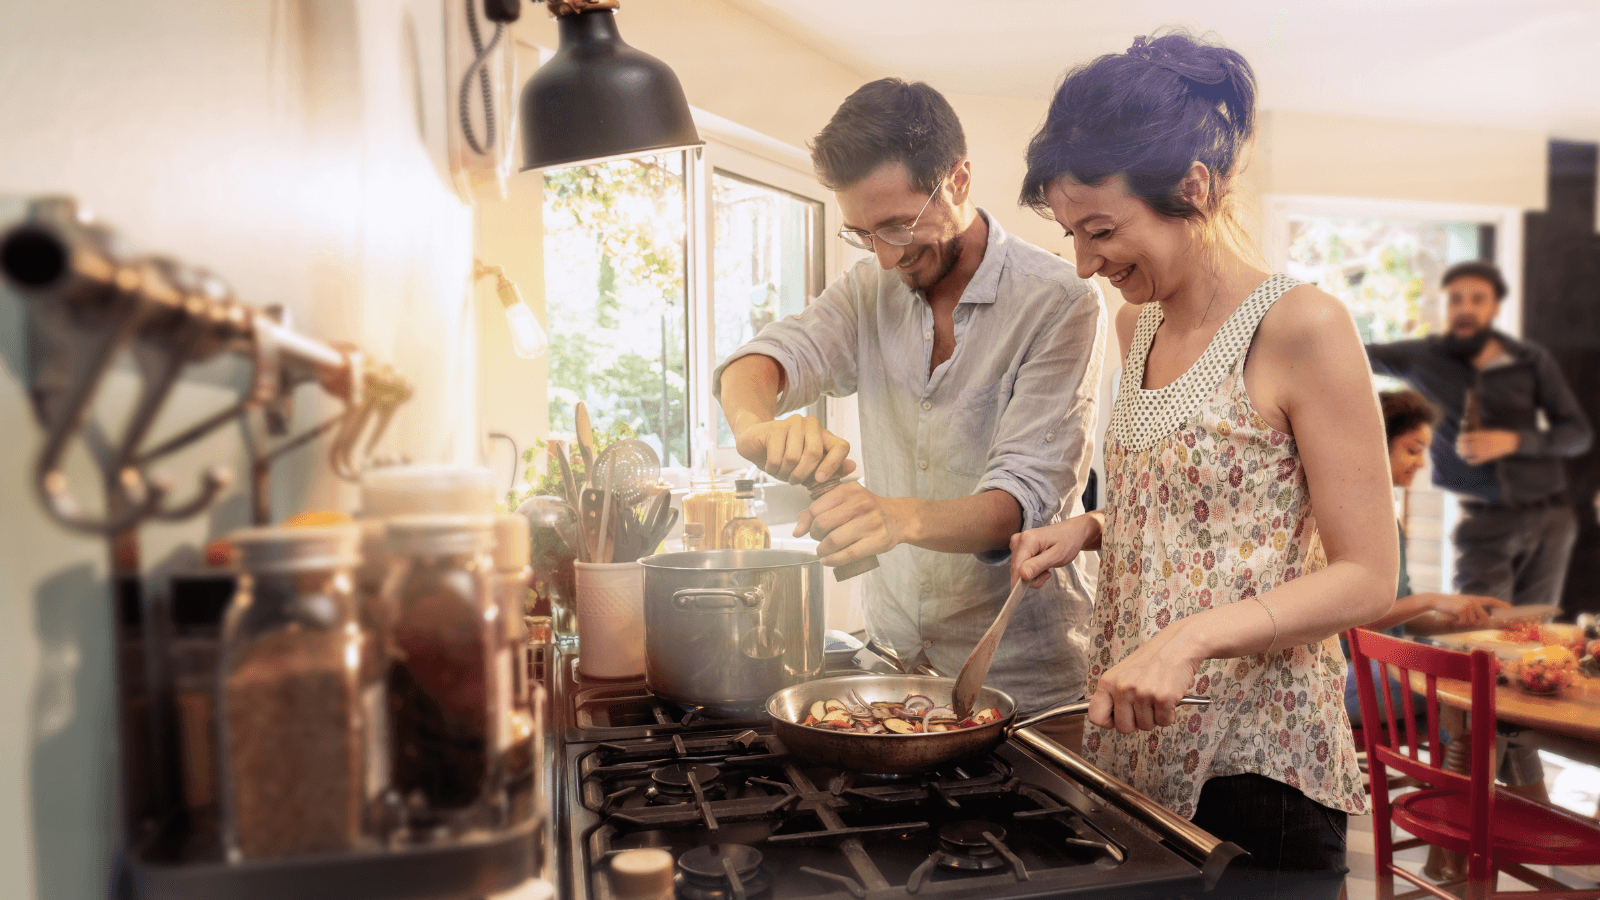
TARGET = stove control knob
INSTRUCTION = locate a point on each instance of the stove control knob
(644, 874)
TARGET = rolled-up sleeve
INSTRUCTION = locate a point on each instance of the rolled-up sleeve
(1044, 437)
(816, 347)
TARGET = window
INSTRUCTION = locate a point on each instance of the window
(764, 261)
(1386, 270)
(655, 270)
(616, 294)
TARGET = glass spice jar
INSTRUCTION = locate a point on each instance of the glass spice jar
(302, 719)
(448, 685)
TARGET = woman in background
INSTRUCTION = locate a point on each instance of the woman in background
(1248, 516)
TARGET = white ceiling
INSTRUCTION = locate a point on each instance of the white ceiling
(1509, 63)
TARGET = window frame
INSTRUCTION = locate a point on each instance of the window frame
(745, 154)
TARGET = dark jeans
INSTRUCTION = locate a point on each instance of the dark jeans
(1516, 553)
(1296, 844)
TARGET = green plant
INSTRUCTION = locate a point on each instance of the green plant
(550, 483)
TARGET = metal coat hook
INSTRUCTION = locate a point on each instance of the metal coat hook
(88, 305)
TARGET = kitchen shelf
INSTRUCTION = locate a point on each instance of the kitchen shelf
(499, 861)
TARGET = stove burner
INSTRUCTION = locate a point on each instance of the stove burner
(672, 784)
(703, 873)
(966, 850)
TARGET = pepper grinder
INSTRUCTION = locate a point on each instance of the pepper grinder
(862, 565)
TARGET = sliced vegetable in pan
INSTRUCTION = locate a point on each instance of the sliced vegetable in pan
(915, 714)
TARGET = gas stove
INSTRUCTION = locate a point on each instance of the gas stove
(745, 819)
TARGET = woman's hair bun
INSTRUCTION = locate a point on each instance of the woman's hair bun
(1214, 72)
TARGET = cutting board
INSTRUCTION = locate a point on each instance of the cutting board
(1489, 639)
(1501, 617)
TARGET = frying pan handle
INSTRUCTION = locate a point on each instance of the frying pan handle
(1082, 706)
(718, 598)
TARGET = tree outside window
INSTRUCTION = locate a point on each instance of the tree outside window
(616, 298)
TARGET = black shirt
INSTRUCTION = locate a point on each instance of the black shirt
(1512, 392)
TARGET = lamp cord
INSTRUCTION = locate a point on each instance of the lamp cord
(483, 78)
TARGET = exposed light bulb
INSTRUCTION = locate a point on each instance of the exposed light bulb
(527, 336)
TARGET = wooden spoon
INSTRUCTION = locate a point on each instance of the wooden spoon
(976, 668)
(585, 438)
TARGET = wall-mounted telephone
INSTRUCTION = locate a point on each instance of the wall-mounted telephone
(481, 102)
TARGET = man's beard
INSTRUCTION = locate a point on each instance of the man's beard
(951, 254)
(1465, 349)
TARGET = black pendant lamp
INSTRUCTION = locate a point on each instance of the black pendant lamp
(600, 99)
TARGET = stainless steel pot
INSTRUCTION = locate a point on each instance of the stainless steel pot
(725, 629)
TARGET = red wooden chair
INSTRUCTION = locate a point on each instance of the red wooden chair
(1497, 830)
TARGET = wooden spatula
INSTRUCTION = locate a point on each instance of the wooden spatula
(976, 668)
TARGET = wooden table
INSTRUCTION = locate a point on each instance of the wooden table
(1567, 722)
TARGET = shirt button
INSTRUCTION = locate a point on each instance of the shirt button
(927, 405)
(922, 464)
(927, 643)
(1049, 437)
(927, 335)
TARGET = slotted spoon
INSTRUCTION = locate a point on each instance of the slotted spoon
(632, 469)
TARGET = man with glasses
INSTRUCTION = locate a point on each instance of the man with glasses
(976, 359)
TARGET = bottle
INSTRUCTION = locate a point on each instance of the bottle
(302, 733)
(513, 553)
(744, 531)
(1472, 411)
(447, 700)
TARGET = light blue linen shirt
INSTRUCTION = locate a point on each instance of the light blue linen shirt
(1012, 409)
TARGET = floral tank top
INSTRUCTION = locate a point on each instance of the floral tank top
(1207, 504)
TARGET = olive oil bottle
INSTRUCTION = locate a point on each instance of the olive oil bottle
(744, 531)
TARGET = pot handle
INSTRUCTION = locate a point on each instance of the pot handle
(721, 598)
(1080, 707)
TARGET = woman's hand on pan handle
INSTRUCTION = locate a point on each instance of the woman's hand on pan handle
(1142, 691)
(1038, 550)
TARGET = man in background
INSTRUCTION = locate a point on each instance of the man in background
(976, 360)
(1509, 420)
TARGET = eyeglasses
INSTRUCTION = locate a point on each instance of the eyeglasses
(898, 235)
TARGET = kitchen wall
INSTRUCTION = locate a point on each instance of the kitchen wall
(284, 146)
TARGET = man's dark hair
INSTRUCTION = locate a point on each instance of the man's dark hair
(1403, 411)
(1487, 271)
(889, 120)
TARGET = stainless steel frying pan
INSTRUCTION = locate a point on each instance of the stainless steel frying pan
(900, 754)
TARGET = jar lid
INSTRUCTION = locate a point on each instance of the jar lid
(513, 542)
(296, 549)
(440, 534)
(416, 490)
(744, 485)
(645, 872)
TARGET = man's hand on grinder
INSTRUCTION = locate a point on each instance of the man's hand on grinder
(796, 449)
